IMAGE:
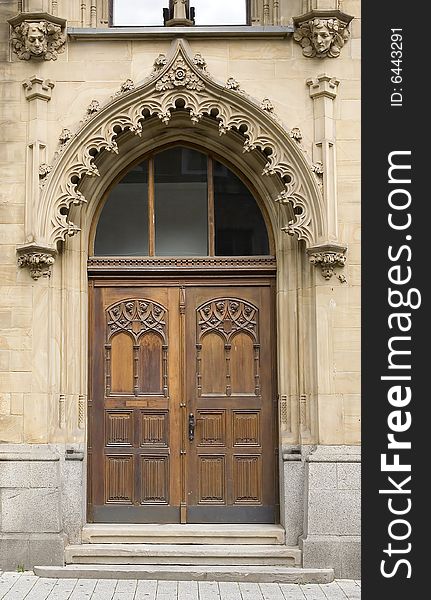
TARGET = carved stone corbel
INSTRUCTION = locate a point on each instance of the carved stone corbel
(322, 33)
(38, 259)
(37, 35)
(328, 257)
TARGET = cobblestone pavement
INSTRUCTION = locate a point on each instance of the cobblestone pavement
(26, 586)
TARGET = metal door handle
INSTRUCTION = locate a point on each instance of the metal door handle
(192, 425)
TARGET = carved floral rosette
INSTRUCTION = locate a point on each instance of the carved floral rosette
(37, 36)
(333, 24)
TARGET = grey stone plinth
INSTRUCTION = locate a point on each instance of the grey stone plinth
(292, 513)
(21, 550)
(47, 548)
(332, 523)
(28, 473)
(72, 499)
(13, 553)
(336, 512)
(342, 553)
(30, 511)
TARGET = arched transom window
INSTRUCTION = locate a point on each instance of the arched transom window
(181, 202)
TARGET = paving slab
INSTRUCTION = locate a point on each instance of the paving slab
(27, 586)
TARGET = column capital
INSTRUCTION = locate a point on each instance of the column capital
(36, 87)
(38, 259)
(323, 86)
(328, 257)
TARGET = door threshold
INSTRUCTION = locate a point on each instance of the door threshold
(174, 533)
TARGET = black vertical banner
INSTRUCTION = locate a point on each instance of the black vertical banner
(395, 318)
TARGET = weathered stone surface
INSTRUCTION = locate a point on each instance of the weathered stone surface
(349, 476)
(29, 474)
(46, 550)
(72, 500)
(30, 510)
(13, 553)
(342, 553)
(293, 500)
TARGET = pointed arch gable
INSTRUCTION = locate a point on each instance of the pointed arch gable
(180, 84)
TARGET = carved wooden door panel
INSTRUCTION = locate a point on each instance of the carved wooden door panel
(182, 421)
(134, 444)
(231, 420)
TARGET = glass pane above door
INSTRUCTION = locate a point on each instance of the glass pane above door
(181, 203)
(123, 224)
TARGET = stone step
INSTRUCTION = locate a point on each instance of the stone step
(183, 554)
(98, 533)
(257, 574)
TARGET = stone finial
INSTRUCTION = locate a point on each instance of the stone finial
(179, 14)
(37, 36)
(322, 34)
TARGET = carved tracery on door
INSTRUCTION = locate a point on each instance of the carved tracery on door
(137, 328)
(235, 322)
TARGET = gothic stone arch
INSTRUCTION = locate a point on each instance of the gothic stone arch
(179, 88)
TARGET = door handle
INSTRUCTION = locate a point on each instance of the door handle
(192, 425)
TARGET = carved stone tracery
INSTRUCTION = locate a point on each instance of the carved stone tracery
(181, 80)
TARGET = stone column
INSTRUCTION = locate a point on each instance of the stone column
(330, 253)
(323, 90)
(38, 93)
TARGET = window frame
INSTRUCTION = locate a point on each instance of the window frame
(246, 24)
(211, 158)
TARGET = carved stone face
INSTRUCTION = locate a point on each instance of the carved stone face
(35, 39)
(321, 36)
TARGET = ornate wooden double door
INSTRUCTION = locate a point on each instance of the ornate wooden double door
(182, 423)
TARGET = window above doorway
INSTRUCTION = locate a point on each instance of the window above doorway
(180, 202)
(149, 13)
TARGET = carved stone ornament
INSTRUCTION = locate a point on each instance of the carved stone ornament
(296, 134)
(93, 108)
(39, 260)
(179, 84)
(267, 105)
(318, 168)
(37, 36)
(65, 136)
(127, 86)
(44, 169)
(328, 257)
(322, 33)
(180, 76)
